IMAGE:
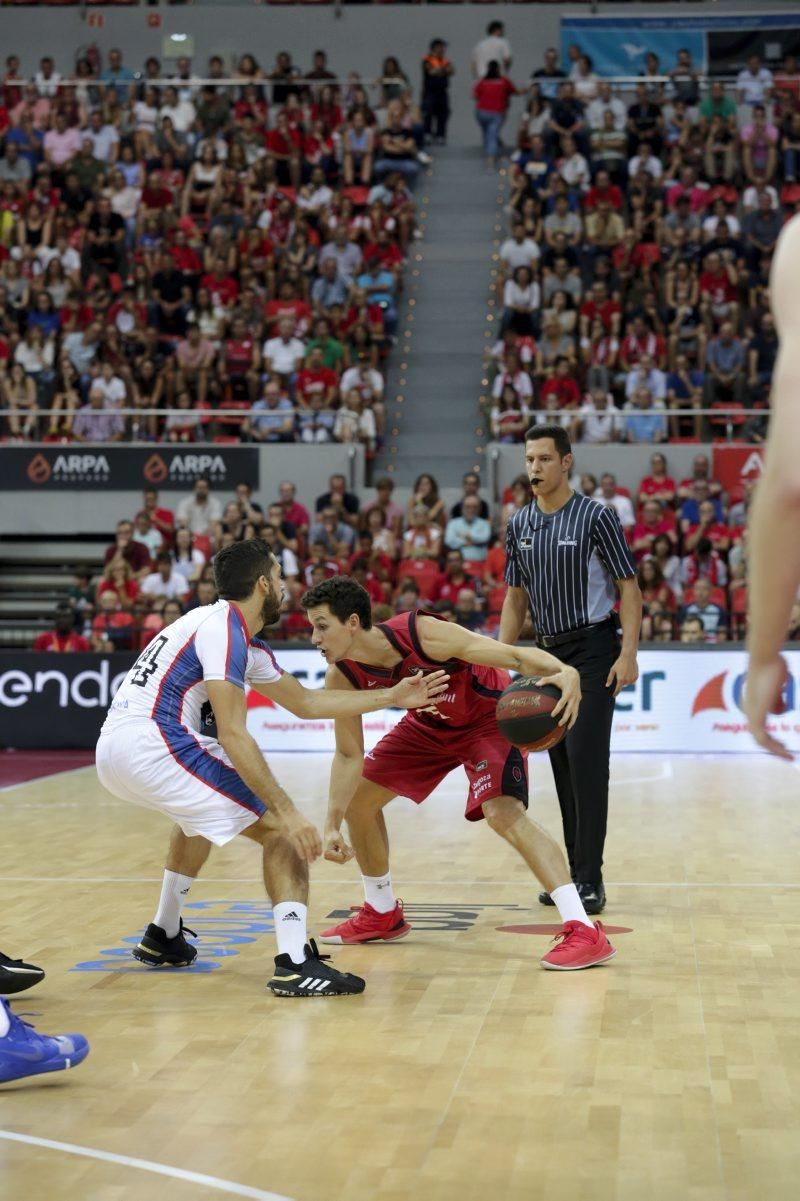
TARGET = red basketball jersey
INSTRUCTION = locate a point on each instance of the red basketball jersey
(471, 698)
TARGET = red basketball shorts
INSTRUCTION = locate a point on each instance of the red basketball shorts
(411, 760)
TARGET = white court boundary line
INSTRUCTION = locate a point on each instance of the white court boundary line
(146, 1165)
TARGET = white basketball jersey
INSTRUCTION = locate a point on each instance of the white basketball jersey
(167, 683)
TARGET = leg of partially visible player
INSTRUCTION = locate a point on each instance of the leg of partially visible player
(380, 919)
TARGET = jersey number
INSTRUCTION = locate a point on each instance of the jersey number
(147, 663)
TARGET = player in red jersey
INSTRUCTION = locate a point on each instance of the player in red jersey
(459, 730)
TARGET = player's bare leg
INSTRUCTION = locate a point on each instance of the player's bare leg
(380, 919)
(507, 817)
(299, 969)
(163, 944)
(581, 943)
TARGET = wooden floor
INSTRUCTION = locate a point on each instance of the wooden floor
(465, 1072)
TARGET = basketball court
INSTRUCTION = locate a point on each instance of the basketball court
(465, 1071)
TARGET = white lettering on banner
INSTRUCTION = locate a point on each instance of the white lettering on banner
(193, 465)
(682, 701)
(17, 687)
(77, 468)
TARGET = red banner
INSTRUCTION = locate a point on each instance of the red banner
(735, 465)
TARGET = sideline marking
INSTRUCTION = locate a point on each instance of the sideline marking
(146, 1165)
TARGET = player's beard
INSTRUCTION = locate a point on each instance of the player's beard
(271, 609)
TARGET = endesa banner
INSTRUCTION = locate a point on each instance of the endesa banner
(684, 700)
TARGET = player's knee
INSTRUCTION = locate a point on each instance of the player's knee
(502, 814)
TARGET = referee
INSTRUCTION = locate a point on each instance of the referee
(565, 554)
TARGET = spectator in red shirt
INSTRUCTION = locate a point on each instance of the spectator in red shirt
(221, 285)
(492, 97)
(704, 563)
(359, 569)
(658, 484)
(562, 385)
(118, 580)
(134, 553)
(287, 304)
(709, 527)
(453, 579)
(719, 290)
(600, 307)
(687, 186)
(240, 362)
(602, 189)
(161, 519)
(62, 637)
(654, 588)
(293, 512)
(315, 379)
(112, 629)
(640, 340)
(653, 523)
(284, 146)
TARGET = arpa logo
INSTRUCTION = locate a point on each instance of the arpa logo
(726, 691)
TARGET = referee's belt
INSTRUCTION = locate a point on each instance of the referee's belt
(548, 640)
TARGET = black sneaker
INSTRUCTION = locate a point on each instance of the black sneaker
(16, 975)
(545, 899)
(313, 977)
(159, 951)
(593, 897)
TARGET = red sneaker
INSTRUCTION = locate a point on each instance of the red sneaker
(367, 925)
(578, 946)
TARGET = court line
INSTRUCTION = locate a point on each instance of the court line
(146, 1165)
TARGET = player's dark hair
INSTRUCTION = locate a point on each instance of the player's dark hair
(343, 596)
(556, 432)
(237, 568)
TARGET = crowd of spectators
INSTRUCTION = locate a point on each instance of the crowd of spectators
(205, 248)
(634, 278)
(688, 538)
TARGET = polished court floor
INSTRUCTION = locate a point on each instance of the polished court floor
(465, 1072)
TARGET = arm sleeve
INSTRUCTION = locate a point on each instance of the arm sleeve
(513, 573)
(261, 665)
(221, 646)
(611, 544)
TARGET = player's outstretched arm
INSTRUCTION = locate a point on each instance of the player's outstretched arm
(341, 701)
(774, 573)
(442, 640)
(348, 760)
(230, 711)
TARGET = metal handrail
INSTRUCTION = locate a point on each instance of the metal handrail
(664, 411)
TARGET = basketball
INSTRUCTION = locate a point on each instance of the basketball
(524, 715)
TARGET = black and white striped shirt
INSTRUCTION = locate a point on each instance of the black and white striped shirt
(567, 562)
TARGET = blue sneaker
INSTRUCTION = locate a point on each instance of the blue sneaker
(23, 1052)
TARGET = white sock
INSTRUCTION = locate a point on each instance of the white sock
(291, 921)
(569, 904)
(378, 892)
(4, 1021)
(174, 891)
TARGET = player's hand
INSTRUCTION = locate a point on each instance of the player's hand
(568, 680)
(416, 692)
(762, 696)
(303, 834)
(336, 848)
(623, 672)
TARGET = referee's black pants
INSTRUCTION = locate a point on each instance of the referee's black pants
(581, 760)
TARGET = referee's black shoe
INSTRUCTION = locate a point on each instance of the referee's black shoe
(314, 977)
(16, 975)
(157, 950)
(545, 899)
(593, 897)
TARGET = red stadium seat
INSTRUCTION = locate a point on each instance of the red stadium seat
(424, 573)
(202, 542)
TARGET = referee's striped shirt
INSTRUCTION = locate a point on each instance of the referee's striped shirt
(567, 562)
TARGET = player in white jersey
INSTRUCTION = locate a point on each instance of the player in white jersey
(774, 575)
(153, 751)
